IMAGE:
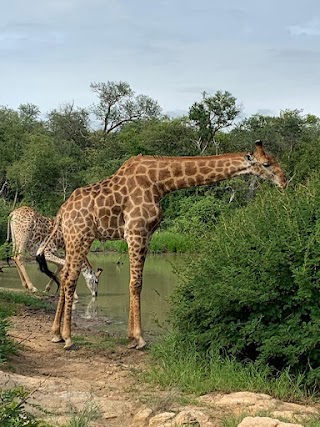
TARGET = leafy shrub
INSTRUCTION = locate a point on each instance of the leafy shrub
(198, 214)
(9, 305)
(6, 344)
(4, 212)
(254, 293)
(13, 411)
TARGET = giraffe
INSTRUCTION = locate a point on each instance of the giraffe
(127, 206)
(28, 229)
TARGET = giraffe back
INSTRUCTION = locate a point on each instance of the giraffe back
(28, 230)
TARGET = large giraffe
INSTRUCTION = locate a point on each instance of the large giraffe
(127, 206)
(28, 230)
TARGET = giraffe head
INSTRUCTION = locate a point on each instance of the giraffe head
(265, 166)
(92, 280)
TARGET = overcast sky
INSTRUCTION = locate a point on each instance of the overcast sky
(266, 53)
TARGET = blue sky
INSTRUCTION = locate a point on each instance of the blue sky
(267, 54)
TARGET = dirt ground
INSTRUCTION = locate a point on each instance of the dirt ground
(78, 376)
(64, 382)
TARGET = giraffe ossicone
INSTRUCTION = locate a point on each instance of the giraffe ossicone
(127, 206)
(28, 229)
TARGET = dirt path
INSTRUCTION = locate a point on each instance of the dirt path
(100, 375)
(77, 376)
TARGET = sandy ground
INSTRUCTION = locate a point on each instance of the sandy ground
(105, 377)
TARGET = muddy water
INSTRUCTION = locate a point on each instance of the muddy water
(111, 306)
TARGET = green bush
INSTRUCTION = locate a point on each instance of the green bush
(10, 302)
(6, 344)
(161, 241)
(4, 212)
(254, 291)
(13, 412)
(198, 214)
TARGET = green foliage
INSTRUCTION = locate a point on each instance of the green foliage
(253, 293)
(211, 115)
(198, 214)
(165, 137)
(6, 344)
(179, 364)
(85, 417)
(118, 105)
(21, 298)
(168, 241)
(9, 304)
(13, 412)
(161, 242)
(4, 212)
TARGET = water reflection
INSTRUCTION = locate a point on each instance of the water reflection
(112, 303)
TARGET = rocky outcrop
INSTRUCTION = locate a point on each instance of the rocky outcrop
(233, 403)
(57, 395)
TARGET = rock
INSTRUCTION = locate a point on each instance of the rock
(162, 420)
(244, 399)
(265, 422)
(192, 418)
(141, 419)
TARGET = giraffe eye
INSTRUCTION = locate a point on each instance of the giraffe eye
(266, 165)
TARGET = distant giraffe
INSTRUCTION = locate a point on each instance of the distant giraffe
(28, 230)
(127, 206)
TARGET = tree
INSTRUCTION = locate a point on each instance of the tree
(14, 128)
(119, 105)
(29, 115)
(36, 173)
(165, 137)
(211, 115)
(70, 124)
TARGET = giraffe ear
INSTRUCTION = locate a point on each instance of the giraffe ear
(98, 272)
(259, 148)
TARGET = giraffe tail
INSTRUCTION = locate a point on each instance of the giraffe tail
(43, 266)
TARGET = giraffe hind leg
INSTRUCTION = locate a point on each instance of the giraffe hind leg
(24, 275)
(57, 337)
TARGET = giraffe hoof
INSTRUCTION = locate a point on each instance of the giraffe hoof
(57, 339)
(137, 344)
(70, 346)
(132, 344)
(141, 346)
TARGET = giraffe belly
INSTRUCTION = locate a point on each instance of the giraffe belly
(109, 233)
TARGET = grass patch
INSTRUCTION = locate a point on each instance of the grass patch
(99, 342)
(161, 242)
(85, 417)
(167, 241)
(10, 303)
(9, 300)
(186, 370)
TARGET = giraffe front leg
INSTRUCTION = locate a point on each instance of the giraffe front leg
(76, 251)
(66, 332)
(137, 256)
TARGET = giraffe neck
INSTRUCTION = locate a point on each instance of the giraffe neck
(184, 172)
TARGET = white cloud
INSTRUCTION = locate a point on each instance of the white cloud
(311, 28)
